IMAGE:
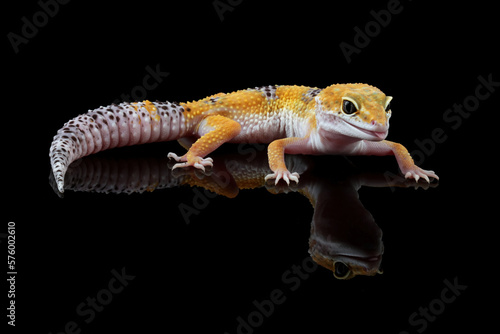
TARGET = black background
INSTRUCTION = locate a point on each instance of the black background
(200, 277)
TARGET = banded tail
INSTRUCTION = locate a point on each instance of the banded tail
(117, 125)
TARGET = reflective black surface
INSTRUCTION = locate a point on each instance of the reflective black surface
(133, 245)
(344, 236)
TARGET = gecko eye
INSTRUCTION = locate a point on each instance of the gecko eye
(348, 107)
(341, 271)
(388, 104)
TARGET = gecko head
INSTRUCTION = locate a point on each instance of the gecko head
(354, 110)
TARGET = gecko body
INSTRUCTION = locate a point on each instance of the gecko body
(348, 119)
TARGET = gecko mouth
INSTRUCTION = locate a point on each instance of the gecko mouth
(372, 133)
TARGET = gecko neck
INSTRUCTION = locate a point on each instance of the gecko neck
(293, 125)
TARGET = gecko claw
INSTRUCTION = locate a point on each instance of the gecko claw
(203, 164)
(174, 156)
(179, 165)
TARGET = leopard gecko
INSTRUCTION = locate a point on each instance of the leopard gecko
(345, 119)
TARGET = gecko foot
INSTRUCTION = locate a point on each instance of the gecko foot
(416, 173)
(197, 162)
(283, 174)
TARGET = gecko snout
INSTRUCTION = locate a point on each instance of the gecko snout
(376, 123)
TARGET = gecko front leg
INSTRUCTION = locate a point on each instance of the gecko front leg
(404, 159)
(276, 155)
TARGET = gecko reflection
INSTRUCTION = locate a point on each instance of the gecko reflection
(344, 236)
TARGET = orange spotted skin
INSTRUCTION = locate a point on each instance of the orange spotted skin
(261, 115)
(259, 103)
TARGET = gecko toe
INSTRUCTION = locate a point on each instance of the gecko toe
(294, 177)
(277, 176)
(199, 166)
(179, 165)
(174, 156)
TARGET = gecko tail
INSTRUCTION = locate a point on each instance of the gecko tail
(59, 161)
(117, 125)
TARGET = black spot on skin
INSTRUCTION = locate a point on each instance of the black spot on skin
(310, 94)
(188, 109)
